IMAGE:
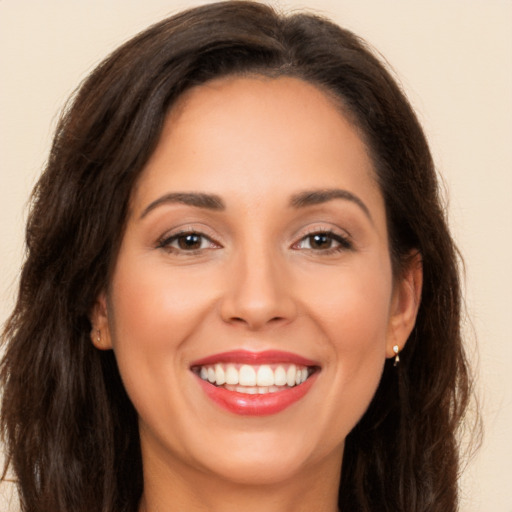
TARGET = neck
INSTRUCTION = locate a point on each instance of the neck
(249, 500)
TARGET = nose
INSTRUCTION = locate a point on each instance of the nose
(259, 292)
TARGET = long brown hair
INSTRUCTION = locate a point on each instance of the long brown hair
(70, 430)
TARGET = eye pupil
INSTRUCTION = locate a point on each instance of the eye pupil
(190, 241)
(320, 241)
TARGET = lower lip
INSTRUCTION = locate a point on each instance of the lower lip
(256, 405)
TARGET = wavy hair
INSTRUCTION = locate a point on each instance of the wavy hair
(70, 430)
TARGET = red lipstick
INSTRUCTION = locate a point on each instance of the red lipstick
(256, 405)
(248, 357)
(267, 400)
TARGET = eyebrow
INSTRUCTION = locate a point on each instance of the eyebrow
(314, 197)
(214, 202)
(197, 199)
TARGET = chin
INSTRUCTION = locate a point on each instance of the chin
(261, 469)
(260, 459)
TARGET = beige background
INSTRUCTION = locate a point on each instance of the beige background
(454, 58)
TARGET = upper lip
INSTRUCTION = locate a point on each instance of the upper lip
(255, 358)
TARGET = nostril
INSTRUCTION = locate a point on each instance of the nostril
(257, 302)
(253, 322)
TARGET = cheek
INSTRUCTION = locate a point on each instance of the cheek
(353, 312)
(357, 331)
(352, 305)
(154, 305)
(154, 312)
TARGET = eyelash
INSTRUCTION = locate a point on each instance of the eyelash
(343, 242)
(167, 241)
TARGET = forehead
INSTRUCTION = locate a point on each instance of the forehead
(257, 135)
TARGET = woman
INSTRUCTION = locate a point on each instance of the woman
(240, 290)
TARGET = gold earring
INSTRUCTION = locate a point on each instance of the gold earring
(98, 336)
(396, 350)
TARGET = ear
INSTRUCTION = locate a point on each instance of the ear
(405, 303)
(100, 332)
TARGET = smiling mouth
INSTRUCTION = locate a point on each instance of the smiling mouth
(255, 383)
(255, 379)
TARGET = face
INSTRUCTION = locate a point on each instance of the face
(252, 304)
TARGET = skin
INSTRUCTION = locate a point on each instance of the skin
(257, 283)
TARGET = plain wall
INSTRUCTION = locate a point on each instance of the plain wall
(454, 59)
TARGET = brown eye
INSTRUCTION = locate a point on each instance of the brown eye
(324, 242)
(189, 242)
(320, 241)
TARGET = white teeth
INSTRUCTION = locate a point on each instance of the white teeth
(253, 390)
(220, 377)
(247, 376)
(265, 376)
(258, 379)
(290, 375)
(280, 376)
(301, 376)
(231, 374)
